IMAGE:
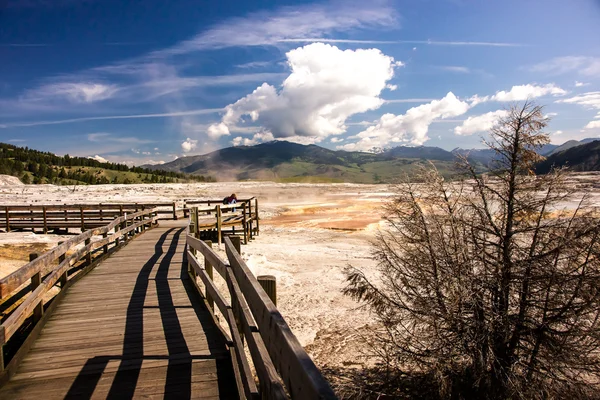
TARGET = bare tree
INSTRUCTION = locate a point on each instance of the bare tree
(491, 283)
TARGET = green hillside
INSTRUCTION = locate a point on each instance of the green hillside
(291, 162)
(33, 166)
(583, 157)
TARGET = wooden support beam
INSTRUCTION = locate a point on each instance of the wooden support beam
(82, 220)
(7, 212)
(257, 218)
(244, 223)
(45, 221)
(63, 277)
(219, 222)
(88, 256)
(237, 243)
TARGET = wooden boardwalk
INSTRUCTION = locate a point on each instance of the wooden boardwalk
(134, 327)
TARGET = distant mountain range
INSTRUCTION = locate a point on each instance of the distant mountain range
(292, 162)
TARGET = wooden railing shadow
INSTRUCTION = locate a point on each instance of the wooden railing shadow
(283, 367)
(178, 382)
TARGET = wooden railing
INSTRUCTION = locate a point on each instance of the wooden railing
(213, 216)
(22, 293)
(283, 367)
(84, 216)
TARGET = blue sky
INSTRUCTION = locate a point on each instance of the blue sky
(149, 81)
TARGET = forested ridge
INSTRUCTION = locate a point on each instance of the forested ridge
(33, 166)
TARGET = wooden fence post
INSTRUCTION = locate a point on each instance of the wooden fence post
(88, 256)
(174, 211)
(256, 212)
(269, 284)
(117, 239)
(250, 234)
(45, 220)
(105, 247)
(82, 220)
(219, 221)
(36, 280)
(63, 277)
(237, 243)
(244, 223)
(196, 232)
(209, 271)
(123, 226)
(6, 210)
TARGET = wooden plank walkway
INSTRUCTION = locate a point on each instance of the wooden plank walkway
(134, 327)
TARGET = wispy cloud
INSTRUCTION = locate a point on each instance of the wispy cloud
(392, 101)
(73, 92)
(586, 66)
(102, 137)
(428, 42)
(287, 23)
(455, 68)
(202, 111)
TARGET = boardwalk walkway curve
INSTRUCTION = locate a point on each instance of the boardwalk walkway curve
(140, 322)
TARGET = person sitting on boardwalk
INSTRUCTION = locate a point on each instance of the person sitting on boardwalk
(231, 199)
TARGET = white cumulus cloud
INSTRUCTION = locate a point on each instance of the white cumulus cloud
(411, 127)
(524, 92)
(593, 124)
(259, 137)
(99, 158)
(590, 100)
(480, 123)
(189, 145)
(326, 86)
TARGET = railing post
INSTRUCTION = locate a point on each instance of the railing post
(82, 220)
(2, 348)
(36, 280)
(63, 277)
(123, 226)
(219, 218)
(196, 227)
(244, 223)
(117, 240)
(250, 219)
(174, 211)
(105, 247)
(88, 256)
(143, 217)
(45, 220)
(237, 243)
(256, 212)
(269, 284)
(6, 210)
(209, 271)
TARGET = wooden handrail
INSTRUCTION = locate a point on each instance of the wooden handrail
(278, 357)
(41, 265)
(13, 281)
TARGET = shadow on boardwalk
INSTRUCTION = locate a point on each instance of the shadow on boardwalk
(179, 370)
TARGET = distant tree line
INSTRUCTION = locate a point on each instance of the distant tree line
(33, 166)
